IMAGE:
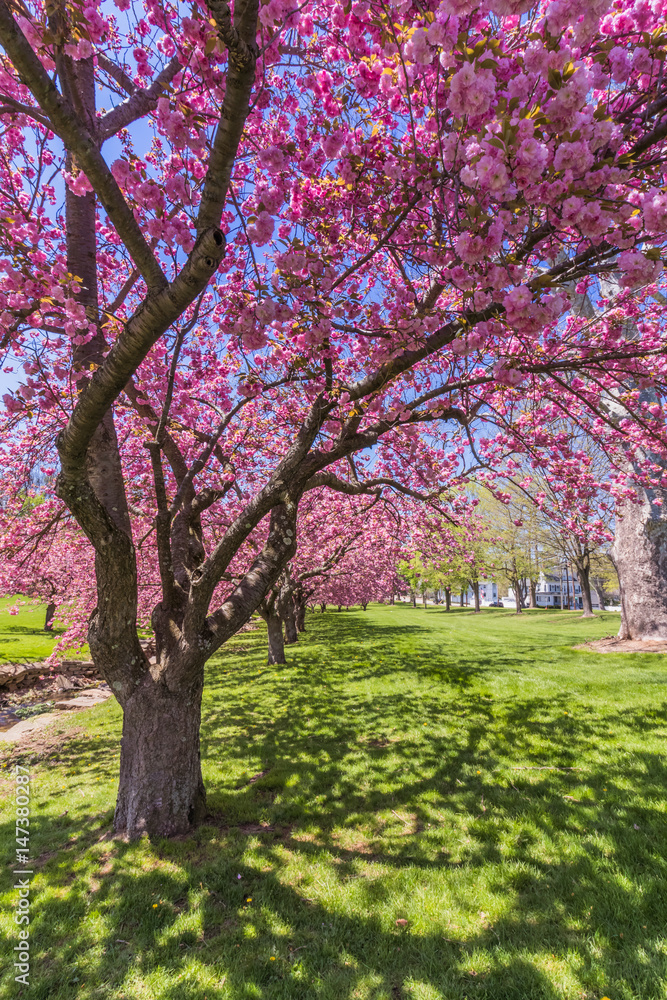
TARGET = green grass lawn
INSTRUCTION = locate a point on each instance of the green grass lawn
(420, 805)
(22, 636)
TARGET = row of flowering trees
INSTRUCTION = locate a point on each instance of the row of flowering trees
(250, 252)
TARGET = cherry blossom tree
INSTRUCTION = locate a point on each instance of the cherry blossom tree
(252, 252)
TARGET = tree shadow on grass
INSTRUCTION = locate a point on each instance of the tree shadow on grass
(176, 918)
(343, 813)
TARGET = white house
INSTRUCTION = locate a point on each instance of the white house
(549, 587)
(488, 593)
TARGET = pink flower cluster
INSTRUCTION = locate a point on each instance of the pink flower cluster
(636, 269)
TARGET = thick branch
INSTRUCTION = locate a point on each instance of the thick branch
(140, 103)
(81, 144)
(240, 40)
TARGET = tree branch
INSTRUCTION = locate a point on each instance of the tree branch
(81, 144)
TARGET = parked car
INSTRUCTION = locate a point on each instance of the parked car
(496, 604)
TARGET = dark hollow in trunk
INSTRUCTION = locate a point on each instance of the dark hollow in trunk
(50, 615)
(160, 791)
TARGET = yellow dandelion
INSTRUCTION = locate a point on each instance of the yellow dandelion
(249, 899)
(273, 958)
(155, 906)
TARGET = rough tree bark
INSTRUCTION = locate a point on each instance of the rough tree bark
(161, 789)
(598, 586)
(640, 556)
(50, 615)
(639, 552)
(582, 561)
(274, 626)
(289, 621)
(475, 592)
(533, 593)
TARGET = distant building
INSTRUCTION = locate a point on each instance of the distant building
(488, 593)
(548, 591)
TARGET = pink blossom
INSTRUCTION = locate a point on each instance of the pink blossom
(254, 339)
(532, 157)
(574, 156)
(506, 8)
(82, 50)
(273, 159)
(506, 375)
(637, 269)
(471, 93)
(458, 8)
(78, 183)
(621, 64)
(571, 98)
(417, 48)
(654, 211)
(262, 230)
(470, 248)
(332, 143)
(443, 31)
(492, 175)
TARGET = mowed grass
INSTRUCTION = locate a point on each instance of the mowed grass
(420, 805)
(22, 636)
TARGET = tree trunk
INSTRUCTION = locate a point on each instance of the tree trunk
(50, 615)
(448, 598)
(160, 791)
(602, 600)
(414, 598)
(291, 634)
(533, 593)
(475, 592)
(424, 598)
(461, 599)
(274, 627)
(640, 557)
(300, 616)
(323, 607)
(583, 564)
(363, 607)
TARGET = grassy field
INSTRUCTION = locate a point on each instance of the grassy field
(22, 636)
(420, 805)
